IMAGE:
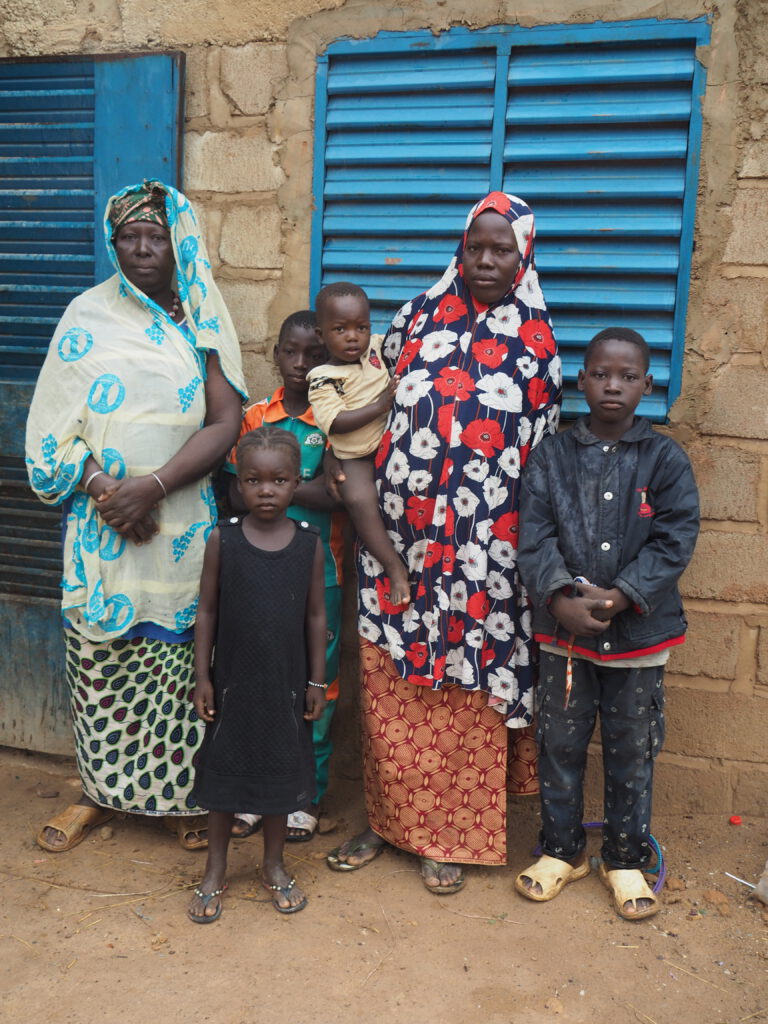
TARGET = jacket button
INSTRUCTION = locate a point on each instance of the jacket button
(605, 546)
(608, 495)
(606, 447)
(606, 646)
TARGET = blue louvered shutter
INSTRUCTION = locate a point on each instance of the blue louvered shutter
(598, 126)
(72, 132)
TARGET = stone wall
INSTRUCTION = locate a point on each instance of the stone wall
(248, 155)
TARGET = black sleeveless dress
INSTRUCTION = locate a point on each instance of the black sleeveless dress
(256, 756)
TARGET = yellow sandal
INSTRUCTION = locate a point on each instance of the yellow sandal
(552, 874)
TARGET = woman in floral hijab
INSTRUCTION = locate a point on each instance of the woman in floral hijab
(445, 677)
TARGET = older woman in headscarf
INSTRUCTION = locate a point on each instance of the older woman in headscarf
(449, 678)
(138, 399)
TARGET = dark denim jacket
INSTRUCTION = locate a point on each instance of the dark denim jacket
(621, 513)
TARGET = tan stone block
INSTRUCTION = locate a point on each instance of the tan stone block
(728, 567)
(737, 402)
(248, 303)
(227, 162)
(748, 242)
(251, 237)
(696, 788)
(197, 88)
(734, 317)
(762, 656)
(728, 482)
(755, 162)
(261, 376)
(715, 725)
(750, 794)
(251, 75)
(711, 646)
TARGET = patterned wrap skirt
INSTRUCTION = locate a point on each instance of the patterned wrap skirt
(136, 730)
(438, 765)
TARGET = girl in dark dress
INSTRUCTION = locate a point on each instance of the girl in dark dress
(262, 683)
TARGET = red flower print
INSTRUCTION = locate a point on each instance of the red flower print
(445, 421)
(537, 336)
(487, 656)
(412, 325)
(421, 591)
(455, 629)
(450, 309)
(497, 201)
(449, 558)
(374, 360)
(382, 589)
(434, 554)
(454, 383)
(384, 445)
(417, 654)
(478, 605)
(446, 471)
(419, 512)
(538, 395)
(415, 680)
(489, 353)
(505, 528)
(525, 451)
(439, 668)
(450, 521)
(483, 436)
(408, 354)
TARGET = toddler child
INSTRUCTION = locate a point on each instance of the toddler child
(351, 396)
(608, 522)
(298, 350)
(261, 621)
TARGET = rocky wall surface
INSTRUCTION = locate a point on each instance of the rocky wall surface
(248, 161)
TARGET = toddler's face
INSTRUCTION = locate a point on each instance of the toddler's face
(344, 325)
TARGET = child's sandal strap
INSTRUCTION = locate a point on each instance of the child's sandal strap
(281, 888)
(208, 895)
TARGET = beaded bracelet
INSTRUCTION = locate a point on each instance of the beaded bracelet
(320, 686)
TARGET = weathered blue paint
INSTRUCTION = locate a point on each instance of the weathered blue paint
(68, 139)
(413, 128)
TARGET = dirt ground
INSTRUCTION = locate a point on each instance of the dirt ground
(100, 934)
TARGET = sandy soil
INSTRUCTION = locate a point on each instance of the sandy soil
(100, 934)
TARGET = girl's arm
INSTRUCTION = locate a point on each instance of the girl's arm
(131, 499)
(354, 419)
(316, 635)
(312, 494)
(205, 628)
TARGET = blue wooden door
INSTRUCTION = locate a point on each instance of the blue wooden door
(72, 132)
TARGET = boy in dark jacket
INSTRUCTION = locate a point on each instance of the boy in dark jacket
(608, 522)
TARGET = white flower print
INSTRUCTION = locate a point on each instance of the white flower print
(441, 596)
(438, 345)
(459, 596)
(410, 620)
(392, 505)
(440, 510)
(369, 598)
(509, 462)
(529, 291)
(397, 542)
(453, 662)
(467, 673)
(505, 320)
(526, 622)
(367, 629)
(494, 492)
(498, 586)
(416, 555)
(413, 386)
(524, 429)
(464, 340)
(392, 638)
(430, 620)
(421, 319)
(419, 480)
(392, 345)
(400, 316)
(474, 638)
(371, 566)
(483, 530)
(521, 654)
(456, 429)
(476, 470)
(556, 370)
(499, 625)
(397, 468)
(445, 281)
(399, 426)
(503, 681)
(424, 444)
(528, 366)
(553, 418)
(474, 561)
(501, 551)
(465, 502)
(538, 430)
(501, 392)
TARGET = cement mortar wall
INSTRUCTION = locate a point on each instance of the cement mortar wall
(248, 160)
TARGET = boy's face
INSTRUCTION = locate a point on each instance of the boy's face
(613, 381)
(299, 351)
(344, 325)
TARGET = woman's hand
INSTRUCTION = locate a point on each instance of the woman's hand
(126, 505)
(315, 703)
(202, 698)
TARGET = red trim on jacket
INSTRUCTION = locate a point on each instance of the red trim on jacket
(554, 641)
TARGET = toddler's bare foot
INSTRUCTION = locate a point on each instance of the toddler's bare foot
(399, 584)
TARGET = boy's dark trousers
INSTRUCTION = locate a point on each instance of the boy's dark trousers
(631, 706)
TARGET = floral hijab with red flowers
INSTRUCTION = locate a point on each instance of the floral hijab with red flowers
(479, 387)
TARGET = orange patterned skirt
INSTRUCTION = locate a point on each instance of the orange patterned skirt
(436, 766)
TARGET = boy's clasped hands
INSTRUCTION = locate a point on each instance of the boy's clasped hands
(588, 612)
